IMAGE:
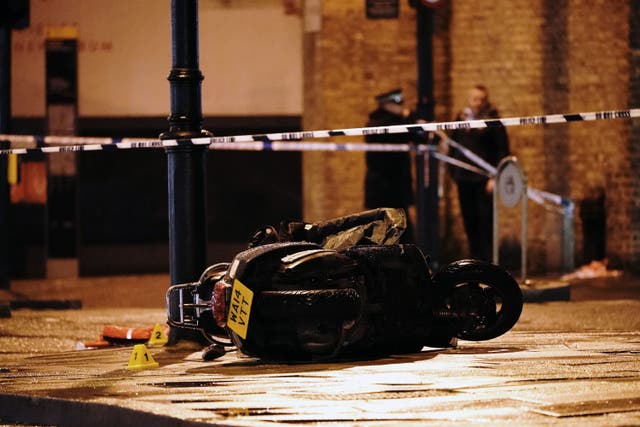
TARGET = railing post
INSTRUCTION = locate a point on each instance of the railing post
(567, 236)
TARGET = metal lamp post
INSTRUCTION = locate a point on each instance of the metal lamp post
(186, 163)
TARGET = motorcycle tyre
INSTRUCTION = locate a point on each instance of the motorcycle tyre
(471, 270)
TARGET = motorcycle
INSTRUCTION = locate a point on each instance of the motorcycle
(316, 292)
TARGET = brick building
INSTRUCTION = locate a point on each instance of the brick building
(536, 57)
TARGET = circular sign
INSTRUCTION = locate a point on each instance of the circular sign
(510, 185)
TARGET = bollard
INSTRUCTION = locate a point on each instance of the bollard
(510, 189)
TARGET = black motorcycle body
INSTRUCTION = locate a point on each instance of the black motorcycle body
(296, 301)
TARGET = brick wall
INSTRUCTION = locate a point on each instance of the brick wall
(498, 45)
(348, 62)
(633, 206)
(555, 99)
(536, 57)
(598, 64)
(556, 56)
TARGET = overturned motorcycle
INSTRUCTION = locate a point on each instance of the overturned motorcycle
(343, 287)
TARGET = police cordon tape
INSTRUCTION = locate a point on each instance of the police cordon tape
(128, 143)
(277, 141)
(269, 142)
(484, 168)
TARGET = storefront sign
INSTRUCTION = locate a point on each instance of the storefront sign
(383, 9)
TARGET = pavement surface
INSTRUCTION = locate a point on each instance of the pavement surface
(564, 363)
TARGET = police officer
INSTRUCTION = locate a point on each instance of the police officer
(388, 178)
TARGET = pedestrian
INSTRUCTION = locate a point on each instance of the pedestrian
(475, 191)
(388, 182)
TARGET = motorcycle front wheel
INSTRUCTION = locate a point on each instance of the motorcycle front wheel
(478, 300)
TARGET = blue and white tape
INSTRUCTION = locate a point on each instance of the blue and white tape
(222, 146)
(282, 141)
(433, 127)
(483, 168)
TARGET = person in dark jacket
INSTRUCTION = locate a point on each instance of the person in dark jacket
(388, 181)
(475, 192)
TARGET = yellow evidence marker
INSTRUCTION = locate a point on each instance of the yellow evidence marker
(158, 336)
(141, 359)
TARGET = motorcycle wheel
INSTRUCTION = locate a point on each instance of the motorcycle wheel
(480, 300)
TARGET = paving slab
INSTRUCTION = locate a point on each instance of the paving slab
(565, 363)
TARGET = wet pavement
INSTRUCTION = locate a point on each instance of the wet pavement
(565, 363)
